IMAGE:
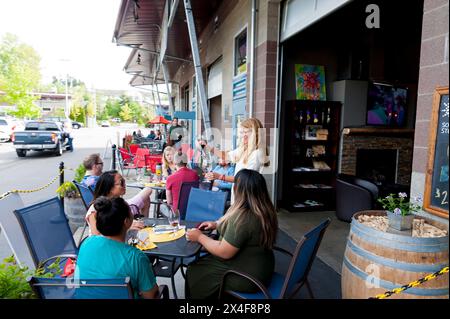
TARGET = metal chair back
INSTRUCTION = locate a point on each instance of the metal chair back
(46, 230)
(87, 194)
(205, 205)
(70, 288)
(10, 228)
(183, 197)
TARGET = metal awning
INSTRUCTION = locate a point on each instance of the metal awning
(139, 24)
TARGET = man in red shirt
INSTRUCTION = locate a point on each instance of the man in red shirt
(174, 181)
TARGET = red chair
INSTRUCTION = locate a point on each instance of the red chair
(133, 149)
(139, 159)
(151, 160)
(126, 160)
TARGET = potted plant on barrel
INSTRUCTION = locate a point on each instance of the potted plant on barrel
(399, 210)
(73, 205)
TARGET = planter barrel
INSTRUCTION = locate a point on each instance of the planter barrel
(376, 261)
(75, 212)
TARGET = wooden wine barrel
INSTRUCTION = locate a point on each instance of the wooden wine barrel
(376, 261)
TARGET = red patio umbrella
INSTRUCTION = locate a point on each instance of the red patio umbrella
(159, 120)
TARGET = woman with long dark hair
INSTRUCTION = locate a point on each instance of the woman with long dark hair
(247, 235)
(111, 184)
(108, 256)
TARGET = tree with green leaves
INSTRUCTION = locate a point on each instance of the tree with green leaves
(126, 113)
(19, 76)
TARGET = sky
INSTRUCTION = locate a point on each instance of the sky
(71, 36)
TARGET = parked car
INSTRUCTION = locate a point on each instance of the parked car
(116, 120)
(62, 120)
(8, 126)
(105, 124)
(4, 137)
(41, 136)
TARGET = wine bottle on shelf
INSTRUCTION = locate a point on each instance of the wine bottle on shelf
(308, 116)
(315, 116)
(322, 116)
(301, 117)
(329, 116)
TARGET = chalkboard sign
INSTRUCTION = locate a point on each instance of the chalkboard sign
(436, 185)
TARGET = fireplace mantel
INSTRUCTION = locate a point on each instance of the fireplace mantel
(375, 131)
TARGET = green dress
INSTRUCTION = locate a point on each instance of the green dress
(205, 275)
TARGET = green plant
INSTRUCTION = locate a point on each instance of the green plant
(399, 205)
(13, 278)
(68, 189)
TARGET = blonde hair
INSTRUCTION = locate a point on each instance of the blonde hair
(252, 198)
(255, 142)
(166, 165)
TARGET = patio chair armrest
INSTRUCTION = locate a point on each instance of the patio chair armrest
(250, 278)
(45, 262)
(282, 250)
(163, 292)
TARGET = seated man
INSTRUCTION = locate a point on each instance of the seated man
(94, 168)
(151, 135)
(224, 169)
(109, 257)
(174, 181)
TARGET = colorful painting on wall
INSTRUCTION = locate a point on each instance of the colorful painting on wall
(310, 82)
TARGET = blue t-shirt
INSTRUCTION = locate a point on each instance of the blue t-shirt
(90, 181)
(104, 258)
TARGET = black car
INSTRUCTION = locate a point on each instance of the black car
(62, 120)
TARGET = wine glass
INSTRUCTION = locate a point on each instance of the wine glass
(174, 218)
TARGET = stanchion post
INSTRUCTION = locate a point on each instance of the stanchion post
(113, 157)
(61, 179)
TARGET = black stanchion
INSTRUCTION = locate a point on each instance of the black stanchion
(61, 179)
(113, 157)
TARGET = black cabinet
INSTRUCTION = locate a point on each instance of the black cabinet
(311, 155)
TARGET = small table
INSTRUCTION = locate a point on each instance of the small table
(179, 248)
(158, 189)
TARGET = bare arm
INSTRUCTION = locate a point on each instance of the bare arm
(93, 223)
(219, 248)
(169, 197)
(151, 294)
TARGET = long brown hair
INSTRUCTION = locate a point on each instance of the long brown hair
(252, 198)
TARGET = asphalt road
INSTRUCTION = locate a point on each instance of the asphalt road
(39, 168)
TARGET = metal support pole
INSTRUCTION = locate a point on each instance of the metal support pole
(166, 79)
(113, 157)
(61, 179)
(198, 68)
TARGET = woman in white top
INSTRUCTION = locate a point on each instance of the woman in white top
(251, 153)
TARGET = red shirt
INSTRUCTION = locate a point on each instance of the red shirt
(174, 182)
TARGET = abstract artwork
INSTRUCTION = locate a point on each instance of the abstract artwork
(310, 82)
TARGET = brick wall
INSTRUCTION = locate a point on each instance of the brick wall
(433, 73)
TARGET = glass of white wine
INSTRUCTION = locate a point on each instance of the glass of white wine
(174, 218)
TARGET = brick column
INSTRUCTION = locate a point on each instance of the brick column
(433, 73)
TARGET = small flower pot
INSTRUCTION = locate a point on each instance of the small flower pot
(400, 222)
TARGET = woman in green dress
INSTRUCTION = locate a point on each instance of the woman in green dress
(247, 235)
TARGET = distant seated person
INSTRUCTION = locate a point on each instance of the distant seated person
(158, 135)
(139, 134)
(152, 135)
(224, 169)
(109, 257)
(174, 181)
(94, 168)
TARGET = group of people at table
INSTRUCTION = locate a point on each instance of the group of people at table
(247, 230)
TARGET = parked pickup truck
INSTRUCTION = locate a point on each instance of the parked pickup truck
(41, 136)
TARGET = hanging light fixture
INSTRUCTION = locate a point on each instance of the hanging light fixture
(135, 10)
(138, 60)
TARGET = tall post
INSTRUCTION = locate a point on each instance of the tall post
(61, 179)
(198, 67)
(113, 157)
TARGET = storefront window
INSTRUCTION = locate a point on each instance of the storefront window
(240, 47)
(186, 98)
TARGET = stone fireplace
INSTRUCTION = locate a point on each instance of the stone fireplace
(383, 153)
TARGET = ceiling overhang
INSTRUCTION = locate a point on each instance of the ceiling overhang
(142, 25)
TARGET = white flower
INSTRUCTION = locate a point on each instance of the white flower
(397, 211)
(402, 195)
(417, 199)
